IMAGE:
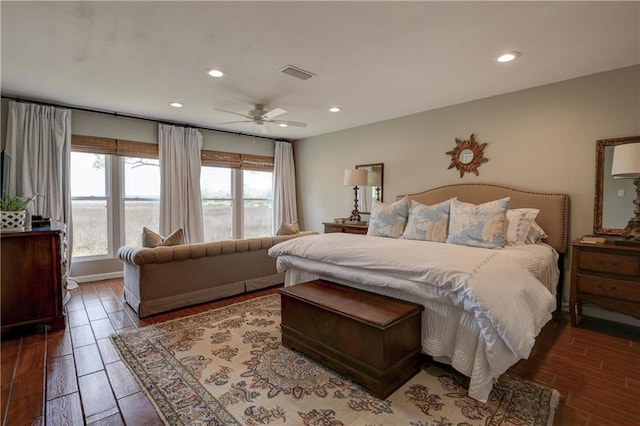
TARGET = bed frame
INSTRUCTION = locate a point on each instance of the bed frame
(553, 216)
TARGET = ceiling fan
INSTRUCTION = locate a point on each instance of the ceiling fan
(258, 115)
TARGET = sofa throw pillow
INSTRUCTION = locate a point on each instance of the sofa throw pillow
(482, 225)
(388, 220)
(152, 239)
(290, 229)
(519, 223)
(428, 223)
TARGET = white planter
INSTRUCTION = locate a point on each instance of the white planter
(12, 221)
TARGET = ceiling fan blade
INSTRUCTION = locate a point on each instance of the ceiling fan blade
(235, 113)
(234, 122)
(270, 115)
(290, 123)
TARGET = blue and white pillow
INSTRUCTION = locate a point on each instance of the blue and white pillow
(388, 220)
(519, 222)
(428, 223)
(483, 225)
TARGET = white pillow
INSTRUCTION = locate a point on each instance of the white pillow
(519, 223)
(388, 220)
(428, 223)
(536, 234)
(482, 225)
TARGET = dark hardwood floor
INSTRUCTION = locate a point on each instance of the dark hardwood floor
(75, 376)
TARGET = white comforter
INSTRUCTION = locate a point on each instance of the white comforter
(509, 305)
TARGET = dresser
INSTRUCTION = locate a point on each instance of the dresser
(31, 276)
(349, 228)
(607, 275)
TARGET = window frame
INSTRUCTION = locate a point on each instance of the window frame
(108, 197)
(115, 151)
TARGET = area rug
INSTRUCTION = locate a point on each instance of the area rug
(228, 367)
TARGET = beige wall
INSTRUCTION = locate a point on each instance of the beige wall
(539, 139)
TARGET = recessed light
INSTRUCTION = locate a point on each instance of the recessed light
(215, 73)
(176, 104)
(508, 57)
(335, 109)
(283, 125)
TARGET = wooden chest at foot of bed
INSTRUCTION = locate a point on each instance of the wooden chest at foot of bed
(372, 338)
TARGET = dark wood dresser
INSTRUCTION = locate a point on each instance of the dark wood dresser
(31, 277)
(374, 339)
(607, 275)
(349, 228)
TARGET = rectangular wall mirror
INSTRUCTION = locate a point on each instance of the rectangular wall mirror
(373, 191)
(613, 203)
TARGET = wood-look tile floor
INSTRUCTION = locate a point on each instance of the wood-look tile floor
(75, 376)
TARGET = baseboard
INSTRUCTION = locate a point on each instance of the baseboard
(98, 277)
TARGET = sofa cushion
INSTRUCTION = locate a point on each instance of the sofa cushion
(288, 229)
(152, 239)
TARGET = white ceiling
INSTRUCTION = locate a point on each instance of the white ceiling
(376, 60)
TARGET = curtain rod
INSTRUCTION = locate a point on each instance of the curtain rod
(117, 114)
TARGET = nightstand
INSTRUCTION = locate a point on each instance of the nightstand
(607, 275)
(349, 228)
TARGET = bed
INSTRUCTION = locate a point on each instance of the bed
(483, 307)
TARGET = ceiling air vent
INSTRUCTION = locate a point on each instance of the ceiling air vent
(297, 72)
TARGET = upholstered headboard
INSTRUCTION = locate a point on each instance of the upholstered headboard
(554, 207)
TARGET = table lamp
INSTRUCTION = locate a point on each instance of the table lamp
(626, 164)
(355, 178)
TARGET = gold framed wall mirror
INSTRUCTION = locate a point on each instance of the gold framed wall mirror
(374, 189)
(613, 198)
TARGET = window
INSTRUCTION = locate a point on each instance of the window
(217, 203)
(141, 198)
(115, 192)
(257, 198)
(90, 204)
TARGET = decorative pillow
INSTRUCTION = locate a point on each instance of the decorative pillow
(388, 220)
(482, 225)
(536, 234)
(152, 239)
(292, 228)
(428, 223)
(519, 223)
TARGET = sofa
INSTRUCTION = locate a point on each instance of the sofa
(163, 278)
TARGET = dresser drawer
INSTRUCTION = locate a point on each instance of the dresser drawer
(612, 263)
(615, 289)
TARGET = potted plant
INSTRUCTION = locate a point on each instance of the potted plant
(13, 209)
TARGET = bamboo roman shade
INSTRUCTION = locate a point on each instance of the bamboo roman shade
(124, 148)
(256, 162)
(220, 159)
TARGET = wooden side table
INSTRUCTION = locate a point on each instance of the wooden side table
(349, 228)
(31, 276)
(607, 275)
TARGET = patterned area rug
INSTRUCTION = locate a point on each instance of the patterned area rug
(227, 366)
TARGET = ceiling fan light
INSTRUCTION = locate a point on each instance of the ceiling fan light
(283, 125)
(176, 104)
(508, 57)
(335, 109)
(215, 73)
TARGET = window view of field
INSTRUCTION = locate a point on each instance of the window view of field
(141, 203)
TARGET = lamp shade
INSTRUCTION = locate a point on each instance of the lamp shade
(626, 161)
(355, 177)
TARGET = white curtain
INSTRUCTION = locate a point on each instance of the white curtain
(39, 144)
(284, 186)
(180, 201)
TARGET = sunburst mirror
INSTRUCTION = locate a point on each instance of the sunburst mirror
(467, 155)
